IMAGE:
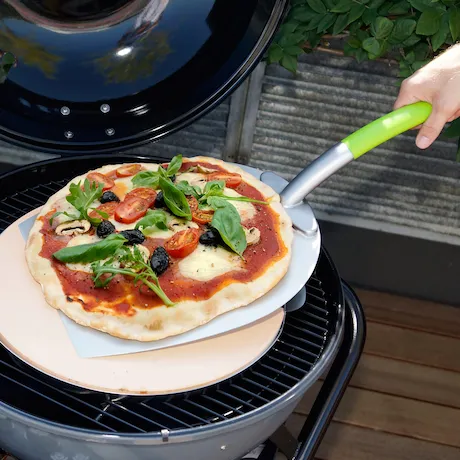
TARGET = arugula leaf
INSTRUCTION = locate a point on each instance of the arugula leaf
(187, 189)
(175, 199)
(152, 219)
(227, 222)
(134, 266)
(85, 253)
(81, 200)
(174, 165)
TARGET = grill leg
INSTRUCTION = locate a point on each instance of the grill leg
(337, 379)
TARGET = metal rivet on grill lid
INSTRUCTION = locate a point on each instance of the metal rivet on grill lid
(105, 108)
(110, 131)
(68, 134)
(165, 435)
(65, 110)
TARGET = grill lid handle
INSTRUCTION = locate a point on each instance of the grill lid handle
(351, 148)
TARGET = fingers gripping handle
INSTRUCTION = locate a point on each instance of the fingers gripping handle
(352, 147)
(387, 127)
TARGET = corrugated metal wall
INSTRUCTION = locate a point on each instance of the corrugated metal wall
(281, 122)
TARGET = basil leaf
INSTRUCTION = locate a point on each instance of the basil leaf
(214, 187)
(175, 199)
(162, 172)
(146, 179)
(155, 218)
(151, 178)
(85, 253)
(174, 165)
(227, 222)
(187, 189)
(81, 200)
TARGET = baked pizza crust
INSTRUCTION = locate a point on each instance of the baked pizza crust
(161, 322)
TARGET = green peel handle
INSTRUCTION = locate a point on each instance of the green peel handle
(387, 127)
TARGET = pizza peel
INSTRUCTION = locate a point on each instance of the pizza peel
(294, 193)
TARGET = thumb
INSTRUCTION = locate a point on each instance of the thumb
(431, 129)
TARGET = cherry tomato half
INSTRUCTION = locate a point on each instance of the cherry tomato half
(108, 208)
(145, 193)
(192, 202)
(128, 170)
(131, 209)
(202, 217)
(101, 179)
(232, 180)
(199, 216)
(182, 243)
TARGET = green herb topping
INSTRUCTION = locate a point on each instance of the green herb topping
(129, 262)
(85, 253)
(81, 200)
(152, 178)
(227, 222)
(152, 221)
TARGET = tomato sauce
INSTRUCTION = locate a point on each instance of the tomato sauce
(119, 295)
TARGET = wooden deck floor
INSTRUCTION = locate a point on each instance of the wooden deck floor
(404, 400)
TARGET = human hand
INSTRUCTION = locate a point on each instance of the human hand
(438, 83)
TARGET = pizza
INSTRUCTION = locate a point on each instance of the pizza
(145, 251)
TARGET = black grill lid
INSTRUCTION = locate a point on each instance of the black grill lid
(99, 75)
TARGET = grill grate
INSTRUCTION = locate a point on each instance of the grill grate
(299, 346)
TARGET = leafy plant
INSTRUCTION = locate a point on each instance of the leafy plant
(7, 62)
(411, 32)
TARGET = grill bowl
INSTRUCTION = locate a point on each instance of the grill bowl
(42, 418)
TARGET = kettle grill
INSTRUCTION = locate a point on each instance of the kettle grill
(51, 109)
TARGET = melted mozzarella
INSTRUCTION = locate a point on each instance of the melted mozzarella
(207, 262)
(176, 224)
(122, 187)
(193, 179)
(245, 210)
(63, 205)
(120, 226)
